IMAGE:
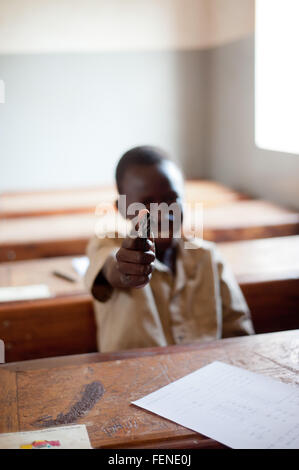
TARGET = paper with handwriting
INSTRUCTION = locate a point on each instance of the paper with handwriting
(238, 408)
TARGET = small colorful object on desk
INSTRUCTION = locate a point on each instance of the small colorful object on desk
(60, 437)
(41, 445)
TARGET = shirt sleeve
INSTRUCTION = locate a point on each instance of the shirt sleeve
(98, 251)
(236, 319)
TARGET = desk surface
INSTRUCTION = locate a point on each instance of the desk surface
(263, 260)
(252, 261)
(40, 271)
(57, 235)
(246, 215)
(54, 392)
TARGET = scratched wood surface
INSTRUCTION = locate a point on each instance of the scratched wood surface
(58, 235)
(85, 200)
(98, 394)
(267, 271)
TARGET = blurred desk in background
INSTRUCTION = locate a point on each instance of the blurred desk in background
(267, 271)
(85, 200)
(62, 235)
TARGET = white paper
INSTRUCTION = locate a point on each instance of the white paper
(236, 407)
(37, 291)
(80, 265)
(69, 437)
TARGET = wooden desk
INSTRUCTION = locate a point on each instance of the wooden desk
(16, 204)
(267, 271)
(40, 237)
(61, 324)
(247, 220)
(46, 393)
(85, 200)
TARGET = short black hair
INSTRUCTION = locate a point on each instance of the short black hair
(144, 155)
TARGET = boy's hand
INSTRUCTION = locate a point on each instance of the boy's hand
(133, 265)
(135, 261)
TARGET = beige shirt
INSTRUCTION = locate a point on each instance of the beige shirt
(201, 302)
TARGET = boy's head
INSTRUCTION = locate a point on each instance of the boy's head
(146, 175)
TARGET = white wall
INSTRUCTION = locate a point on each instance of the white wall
(69, 114)
(101, 25)
(36, 26)
(68, 117)
(83, 85)
(86, 80)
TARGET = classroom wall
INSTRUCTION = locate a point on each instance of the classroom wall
(68, 117)
(87, 80)
(231, 155)
(37, 26)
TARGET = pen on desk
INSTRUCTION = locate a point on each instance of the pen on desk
(65, 276)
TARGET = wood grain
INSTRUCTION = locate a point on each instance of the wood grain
(9, 420)
(277, 340)
(48, 395)
(48, 327)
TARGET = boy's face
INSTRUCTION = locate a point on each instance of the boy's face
(161, 183)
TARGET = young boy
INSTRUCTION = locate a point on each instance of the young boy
(155, 292)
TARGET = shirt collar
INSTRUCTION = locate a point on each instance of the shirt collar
(180, 275)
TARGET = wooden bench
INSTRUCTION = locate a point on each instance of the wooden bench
(48, 236)
(33, 394)
(84, 200)
(267, 271)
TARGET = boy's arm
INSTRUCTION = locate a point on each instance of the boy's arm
(236, 320)
(127, 266)
(99, 251)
